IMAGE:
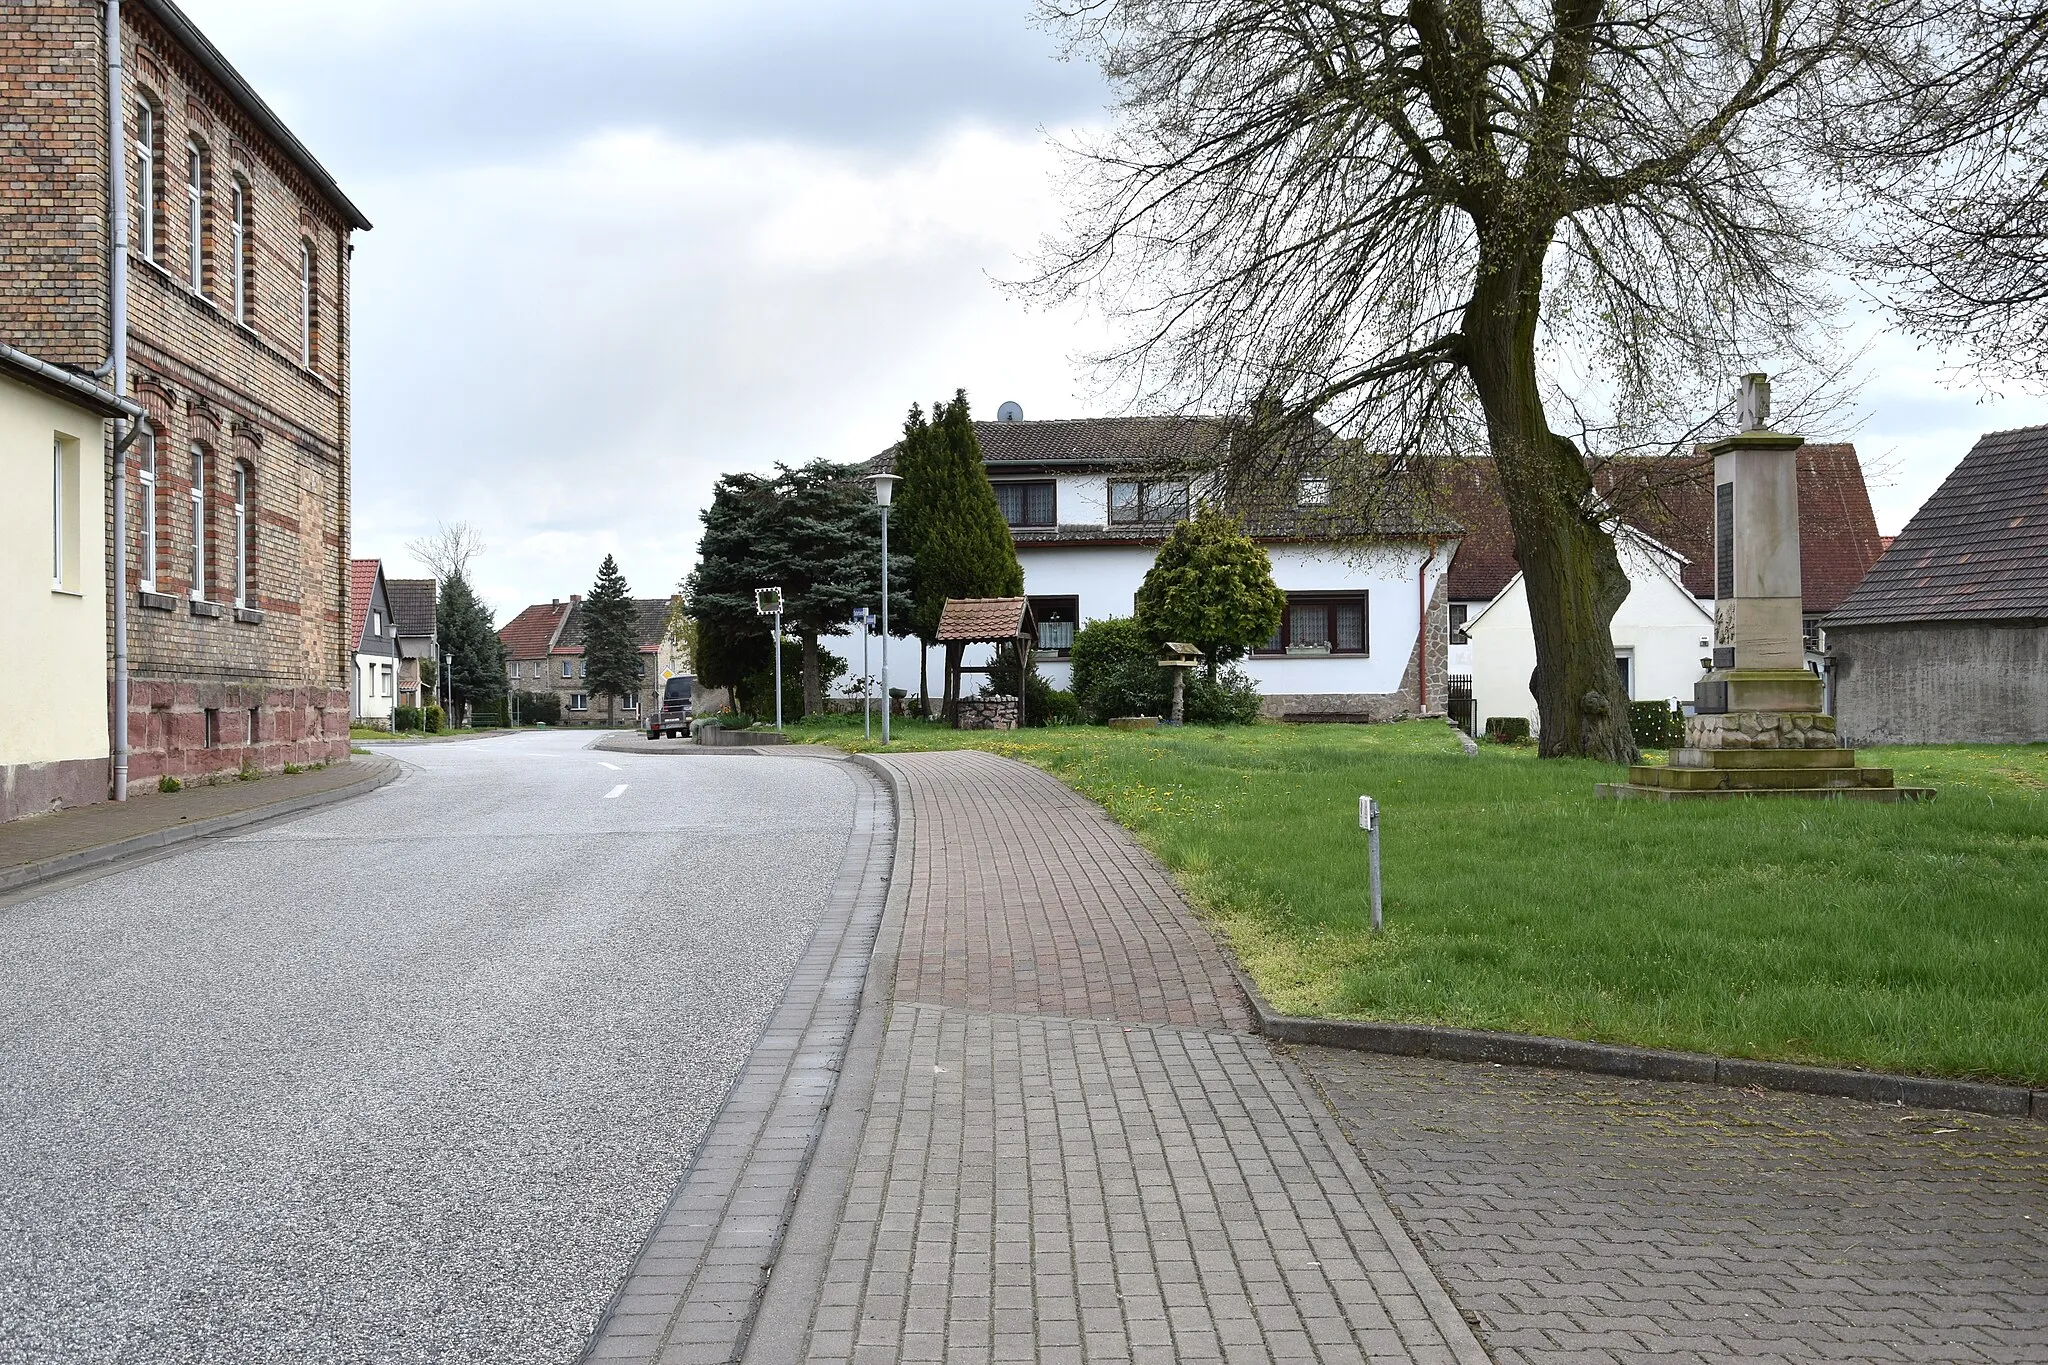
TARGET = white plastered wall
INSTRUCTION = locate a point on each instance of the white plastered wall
(53, 707)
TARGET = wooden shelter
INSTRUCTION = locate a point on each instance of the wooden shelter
(994, 621)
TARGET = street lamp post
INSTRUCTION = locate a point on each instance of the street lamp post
(768, 602)
(885, 490)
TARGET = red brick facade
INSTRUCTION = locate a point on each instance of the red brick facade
(259, 397)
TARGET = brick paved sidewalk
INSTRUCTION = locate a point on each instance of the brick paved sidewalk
(1072, 1150)
(45, 845)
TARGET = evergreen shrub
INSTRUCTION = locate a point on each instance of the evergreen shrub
(540, 708)
(1044, 704)
(1117, 672)
(405, 718)
(434, 719)
(1656, 724)
(1507, 729)
(1231, 698)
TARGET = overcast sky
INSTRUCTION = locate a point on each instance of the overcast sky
(623, 246)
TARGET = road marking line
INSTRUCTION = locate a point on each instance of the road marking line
(614, 791)
(602, 764)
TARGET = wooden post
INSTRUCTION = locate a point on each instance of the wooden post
(1023, 643)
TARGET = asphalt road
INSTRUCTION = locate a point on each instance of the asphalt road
(407, 1079)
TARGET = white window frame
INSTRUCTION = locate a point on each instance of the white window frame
(145, 179)
(568, 668)
(195, 215)
(198, 523)
(630, 702)
(241, 534)
(145, 482)
(238, 236)
(377, 623)
(57, 510)
(579, 701)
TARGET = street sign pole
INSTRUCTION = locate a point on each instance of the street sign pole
(1369, 821)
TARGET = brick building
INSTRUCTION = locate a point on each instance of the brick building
(544, 653)
(237, 496)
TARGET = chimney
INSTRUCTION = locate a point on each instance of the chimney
(574, 598)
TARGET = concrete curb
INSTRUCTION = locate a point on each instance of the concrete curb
(29, 875)
(1607, 1059)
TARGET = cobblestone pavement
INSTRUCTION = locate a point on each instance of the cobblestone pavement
(1072, 1151)
(1591, 1219)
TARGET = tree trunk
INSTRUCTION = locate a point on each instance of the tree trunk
(1574, 578)
(814, 689)
(924, 681)
(611, 709)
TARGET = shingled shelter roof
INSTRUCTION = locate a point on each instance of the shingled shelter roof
(985, 620)
(1671, 500)
(1975, 551)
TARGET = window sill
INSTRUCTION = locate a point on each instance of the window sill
(1312, 654)
(155, 601)
(249, 616)
(65, 592)
(214, 609)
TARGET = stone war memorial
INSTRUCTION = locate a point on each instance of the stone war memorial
(1758, 728)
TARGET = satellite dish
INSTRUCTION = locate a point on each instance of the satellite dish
(1009, 412)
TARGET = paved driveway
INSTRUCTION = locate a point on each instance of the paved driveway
(406, 1079)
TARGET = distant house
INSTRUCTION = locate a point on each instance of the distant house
(373, 671)
(1090, 501)
(1663, 632)
(1946, 640)
(413, 607)
(544, 653)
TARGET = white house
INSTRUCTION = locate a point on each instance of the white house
(1090, 501)
(1663, 635)
(1666, 538)
(373, 656)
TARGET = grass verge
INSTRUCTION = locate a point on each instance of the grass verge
(1909, 938)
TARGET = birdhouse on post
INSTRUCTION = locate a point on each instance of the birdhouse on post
(1180, 658)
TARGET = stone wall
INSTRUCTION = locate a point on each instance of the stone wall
(987, 713)
(1761, 730)
(1939, 683)
(1342, 706)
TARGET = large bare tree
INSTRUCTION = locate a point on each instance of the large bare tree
(1438, 222)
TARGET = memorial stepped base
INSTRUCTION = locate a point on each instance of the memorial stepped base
(1724, 774)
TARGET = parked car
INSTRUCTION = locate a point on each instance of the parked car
(673, 719)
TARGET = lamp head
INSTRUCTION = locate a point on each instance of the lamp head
(885, 487)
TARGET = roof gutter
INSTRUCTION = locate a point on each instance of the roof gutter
(69, 384)
(208, 56)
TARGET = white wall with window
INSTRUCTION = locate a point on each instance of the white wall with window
(53, 515)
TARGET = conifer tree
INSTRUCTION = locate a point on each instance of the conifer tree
(611, 639)
(947, 515)
(476, 657)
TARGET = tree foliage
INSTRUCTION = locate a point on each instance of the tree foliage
(813, 532)
(1211, 587)
(611, 638)
(1117, 672)
(476, 657)
(947, 518)
(1423, 220)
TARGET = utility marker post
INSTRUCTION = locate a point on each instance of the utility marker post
(768, 602)
(867, 681)
(1369, 821)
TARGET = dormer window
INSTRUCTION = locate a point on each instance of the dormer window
(1160, 502)
(377, 623)
(1315, 491)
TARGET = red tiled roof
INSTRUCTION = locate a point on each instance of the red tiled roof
(527, 635)
(979, 619)
(362, 585)
(1670, 499)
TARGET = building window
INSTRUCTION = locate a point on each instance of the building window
(568, 668)
(198, 523)
(630, 702)
(1458, 618)
(146, 486)
(1058, 618)
(377, 623)
(579, 701)
(1624, 664)
(212, 728)
(147, 201)
(309, 305)
(254, 716)
(238, 241)
(1151, 503)
(1028, 504)
(1322, 623)
(245, 531)
(1315, 491)
(65, 527)
(195, 216)
(387, 679)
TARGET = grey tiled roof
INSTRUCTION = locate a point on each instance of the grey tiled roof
(412, 604)
(652, 616)
(1975, 551)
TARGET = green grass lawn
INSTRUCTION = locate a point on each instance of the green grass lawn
(1910, 938)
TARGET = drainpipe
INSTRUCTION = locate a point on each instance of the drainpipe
(1422, 629)
(117, 366)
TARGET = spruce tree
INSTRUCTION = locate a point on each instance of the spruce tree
(611, 639)
(476, 657)
(951, 524)
(1212, 587)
